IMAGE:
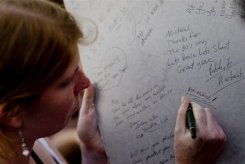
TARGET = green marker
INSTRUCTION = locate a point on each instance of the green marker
(190, 121)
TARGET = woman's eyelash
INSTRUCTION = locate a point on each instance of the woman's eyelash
(68, 81)
(65, 83)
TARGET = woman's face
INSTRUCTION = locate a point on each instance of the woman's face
(53, 110)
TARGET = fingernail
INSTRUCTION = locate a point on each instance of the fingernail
(182, 99)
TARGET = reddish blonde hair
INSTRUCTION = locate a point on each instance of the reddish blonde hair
(37, 41)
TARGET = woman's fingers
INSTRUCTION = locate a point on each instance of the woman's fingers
(214, 129)
(88, 100)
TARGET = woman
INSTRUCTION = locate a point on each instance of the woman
(42, 81)
(42, 85)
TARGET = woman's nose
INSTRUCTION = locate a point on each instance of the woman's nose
(82, 82)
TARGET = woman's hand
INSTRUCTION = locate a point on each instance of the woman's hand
(210, 139)
(91, 144)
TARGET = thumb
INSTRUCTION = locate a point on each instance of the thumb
(181, 115)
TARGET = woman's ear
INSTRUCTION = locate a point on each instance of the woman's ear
(6, 119)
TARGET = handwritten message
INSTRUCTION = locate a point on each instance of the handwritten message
(190, 52)
(147, 55)
(219, 8)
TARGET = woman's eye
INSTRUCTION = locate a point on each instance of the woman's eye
(65, 83)
(68, 81)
